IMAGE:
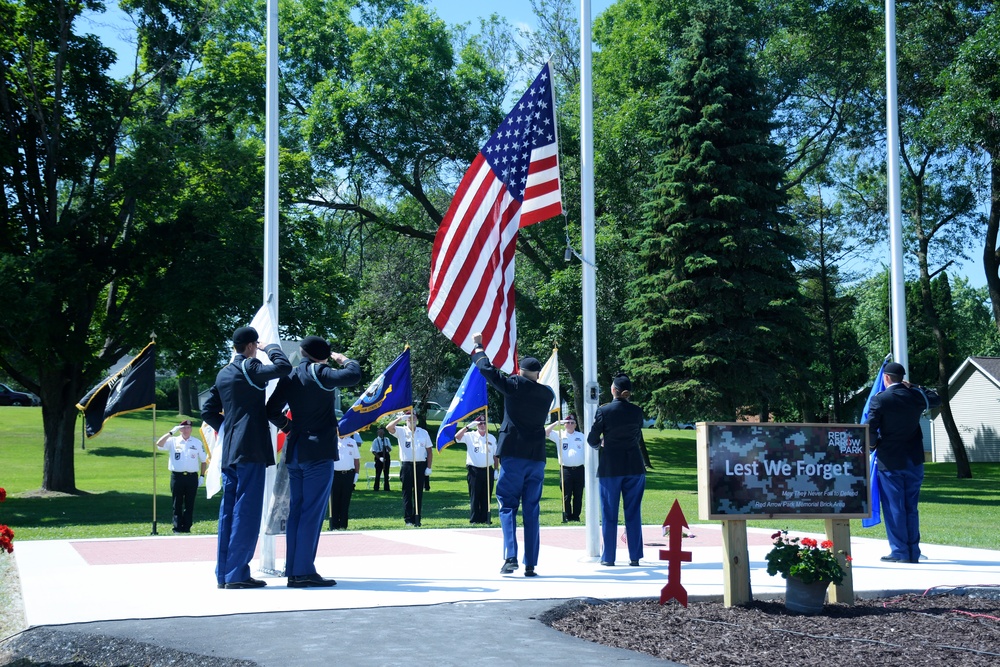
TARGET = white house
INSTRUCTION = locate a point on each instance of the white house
(975, 403)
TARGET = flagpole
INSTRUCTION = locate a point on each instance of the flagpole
(267, 548)
(154, 470)
(562, 480)
(897, 286)
(587, 268)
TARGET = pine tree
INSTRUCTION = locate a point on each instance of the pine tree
(715, 318)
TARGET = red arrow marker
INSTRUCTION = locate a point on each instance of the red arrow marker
(674, 522)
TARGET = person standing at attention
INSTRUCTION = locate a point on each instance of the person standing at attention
(621, 471)
(571, 445)
(186, 462)
(480, 463)
(521, 449)
(345, 476)
(238, 394)
(894, 420)
(310, 451)
(382, 451)
(416, 452)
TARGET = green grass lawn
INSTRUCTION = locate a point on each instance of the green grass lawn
(114, 474)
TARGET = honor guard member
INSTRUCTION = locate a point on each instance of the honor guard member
(247, 451)
(186, 462)
(480, 463)
(620, 469)
(571, 444)
(310, 451)
(416, 451)
(382, 450)
(521, 449)
(894, 419)
(345, 476)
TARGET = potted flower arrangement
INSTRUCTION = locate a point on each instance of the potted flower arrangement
(808, 567)
(6, 534)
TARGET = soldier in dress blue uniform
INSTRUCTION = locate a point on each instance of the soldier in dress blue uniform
(521, 448)
(238, 394)
(310, 451)
(895, 422)
(616, 434)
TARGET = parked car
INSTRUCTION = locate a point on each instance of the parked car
(433, 411)
(10, 397)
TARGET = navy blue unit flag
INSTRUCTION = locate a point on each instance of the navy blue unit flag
(469, 399)
(877, 387)
(131, 389)
(391, 391)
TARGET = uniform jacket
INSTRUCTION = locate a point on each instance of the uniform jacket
(247, 437)
(525, 408)
(312, 429)
(620, 422)
(894, 421)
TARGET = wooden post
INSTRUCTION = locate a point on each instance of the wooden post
(735, 563)
(838, 531)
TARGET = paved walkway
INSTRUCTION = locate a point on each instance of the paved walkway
(436, 594)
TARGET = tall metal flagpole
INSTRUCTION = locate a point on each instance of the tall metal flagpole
(270, 240)
(591, 390)
(897, 287)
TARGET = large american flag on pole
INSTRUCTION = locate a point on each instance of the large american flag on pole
(512, 183)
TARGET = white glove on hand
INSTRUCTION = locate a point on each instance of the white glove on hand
(428, 473)
(174, 430)
(201, 481)
(355, 478)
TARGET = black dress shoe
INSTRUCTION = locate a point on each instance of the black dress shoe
(892, 559)
(529, 571)
(509, 566)
(310, 581)
(634, 563)
(249, 583)
(606, 563)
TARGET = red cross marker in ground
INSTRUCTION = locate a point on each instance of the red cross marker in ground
(675, 523)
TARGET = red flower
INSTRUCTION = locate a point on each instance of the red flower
(809, 542)
(3, 494)
(826, 544)
(773, 537)
(6, 539)
(848, 558)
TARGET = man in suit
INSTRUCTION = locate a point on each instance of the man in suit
(238, 394)
(310, 451)
(521, 448)
(894, 418)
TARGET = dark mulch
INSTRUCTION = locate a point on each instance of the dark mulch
(911, 630)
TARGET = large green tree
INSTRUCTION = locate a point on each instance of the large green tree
(715, 318)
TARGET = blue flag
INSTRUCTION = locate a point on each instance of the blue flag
(877, 386)
(469, 399)
(392, 391)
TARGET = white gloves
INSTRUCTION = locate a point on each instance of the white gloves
(428, 473)
(355, 478)
(201, 481)
(174, 430)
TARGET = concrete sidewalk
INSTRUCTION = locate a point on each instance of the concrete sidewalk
(433, 593)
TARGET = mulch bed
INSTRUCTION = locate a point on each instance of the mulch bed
(912, 630)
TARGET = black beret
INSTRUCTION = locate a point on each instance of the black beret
(315, 347)
(621, 382)
(245, 335)
(531, 364)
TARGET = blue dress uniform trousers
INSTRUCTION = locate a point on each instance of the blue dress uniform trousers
(630, 489)
(899, 493)
(520, 480)
(239, 520)
(308, 489)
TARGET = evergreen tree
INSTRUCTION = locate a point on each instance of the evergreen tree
(715, 317)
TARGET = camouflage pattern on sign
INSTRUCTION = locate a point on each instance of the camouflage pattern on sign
(785, 470)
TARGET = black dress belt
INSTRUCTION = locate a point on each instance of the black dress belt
(183, 473)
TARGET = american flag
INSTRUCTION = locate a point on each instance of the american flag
(512, 183)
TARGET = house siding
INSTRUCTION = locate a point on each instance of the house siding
(975, 404)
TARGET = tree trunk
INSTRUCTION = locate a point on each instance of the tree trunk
(963, 469)
(991, 254)
(59, 424)
(184, 395)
